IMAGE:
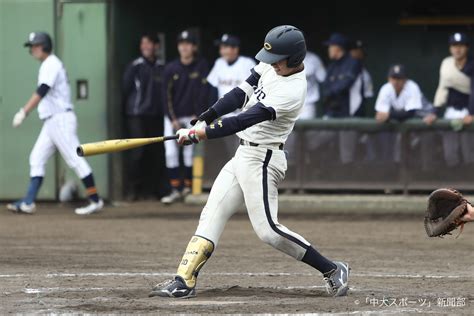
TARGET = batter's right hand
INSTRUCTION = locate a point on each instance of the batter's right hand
(187, 136)
(19, 118)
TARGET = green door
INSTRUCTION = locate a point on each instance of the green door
(18, 79)
(82, 47)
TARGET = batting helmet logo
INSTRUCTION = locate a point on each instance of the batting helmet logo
(267, 46)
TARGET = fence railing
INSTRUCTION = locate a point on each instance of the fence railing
(361, 154)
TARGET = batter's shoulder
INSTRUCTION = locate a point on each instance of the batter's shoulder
(262, 68)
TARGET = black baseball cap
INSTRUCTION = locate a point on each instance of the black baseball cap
(337, 39)
(187, 36)
(397, 71)
(458, 38)
(357, 44)
(228, 39)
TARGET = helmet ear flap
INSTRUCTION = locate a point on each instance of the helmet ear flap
(296, 59)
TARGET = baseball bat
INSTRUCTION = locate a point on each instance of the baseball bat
(114, 145)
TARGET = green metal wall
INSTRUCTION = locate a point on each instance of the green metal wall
(18, 75)
(82, 47)
(81, 44)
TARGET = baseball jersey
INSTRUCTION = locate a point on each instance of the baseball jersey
(58, 98)
(286, 95)
(225, 76)
(408, 99)
(315, 73)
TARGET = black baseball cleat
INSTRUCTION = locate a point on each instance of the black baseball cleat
(337, 280)
(175, 288)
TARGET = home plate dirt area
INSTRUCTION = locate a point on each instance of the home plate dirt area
(56, 262)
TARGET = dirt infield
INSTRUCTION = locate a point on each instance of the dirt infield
(56, 262)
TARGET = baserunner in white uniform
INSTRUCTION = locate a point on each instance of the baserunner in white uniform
(271, 100)
(53, 98)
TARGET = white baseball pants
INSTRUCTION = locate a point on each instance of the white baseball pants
(172, 147)
(251, 177)
(58, 132)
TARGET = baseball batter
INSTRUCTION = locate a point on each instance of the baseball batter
(53, 99)
(271, 99)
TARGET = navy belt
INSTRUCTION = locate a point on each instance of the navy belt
(48, 117)
(247, 143)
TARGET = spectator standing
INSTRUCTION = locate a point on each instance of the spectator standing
(186, 95)
(337, 90)
(142, 82)
(229, 70)
(363, 87)
(454, 96)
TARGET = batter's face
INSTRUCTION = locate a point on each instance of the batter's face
(281, 68)
(458, 51)
(397, 83)
(229, 53)
(186, 49)
(148, 48)
(37, 52)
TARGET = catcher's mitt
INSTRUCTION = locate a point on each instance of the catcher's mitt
(446, 207)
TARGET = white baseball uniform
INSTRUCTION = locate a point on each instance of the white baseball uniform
(315, 74)
(59, 129)
(253, 174)
(408, 99)
(225, 76)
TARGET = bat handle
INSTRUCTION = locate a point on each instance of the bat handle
(170, 137)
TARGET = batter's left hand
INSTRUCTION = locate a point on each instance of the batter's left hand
(19, 118)
(187, 136)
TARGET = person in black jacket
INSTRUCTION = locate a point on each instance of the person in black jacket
(341, 96)
(142, 82)
(186, 95)
(342, 73)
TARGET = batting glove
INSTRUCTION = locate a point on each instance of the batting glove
(187, 136)
(200, 125)
(19, 117)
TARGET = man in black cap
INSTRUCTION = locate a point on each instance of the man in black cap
(229, 70)
(341, 95)
(186, 95)
(398, 100)
(144, 117)
(454, 96)
(342, 72)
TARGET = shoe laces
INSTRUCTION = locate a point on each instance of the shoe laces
(165, 283)
(330, 284)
